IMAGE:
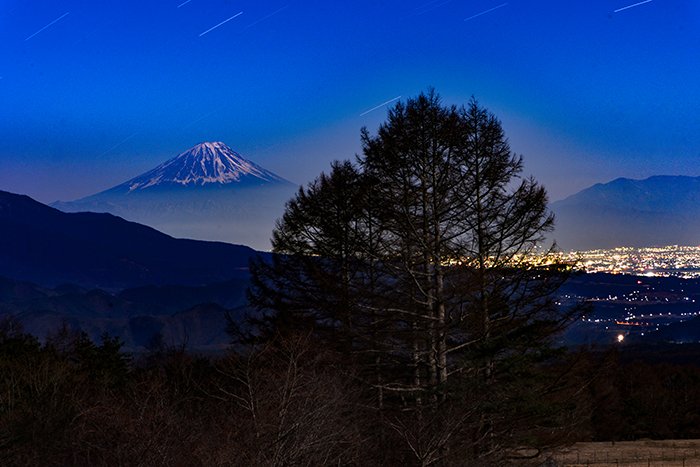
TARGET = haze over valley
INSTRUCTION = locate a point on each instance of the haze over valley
(208, 192)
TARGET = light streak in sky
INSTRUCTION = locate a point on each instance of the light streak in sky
(425, 8)
(118, 144)
(380, 105)
(184, 3)
(192, 123)
(631, 6)
(486, 11)
(51, 23)
(221, 23)
(266, 17)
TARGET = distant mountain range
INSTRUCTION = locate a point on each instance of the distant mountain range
(208, 192)
(194, 317)
(100, 273)
(49, 247)
(660, 210)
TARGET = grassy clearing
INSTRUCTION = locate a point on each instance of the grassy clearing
(667, 453)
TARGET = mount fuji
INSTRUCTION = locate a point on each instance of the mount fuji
(208, 192)
(204, 165)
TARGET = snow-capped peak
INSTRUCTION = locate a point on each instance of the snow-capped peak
(203, 164)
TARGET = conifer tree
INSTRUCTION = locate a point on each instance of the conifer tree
(418, 261)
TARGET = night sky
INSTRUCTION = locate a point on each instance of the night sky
(93, 93)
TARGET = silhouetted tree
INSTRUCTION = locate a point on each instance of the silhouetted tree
(317, 240)
(420, 258)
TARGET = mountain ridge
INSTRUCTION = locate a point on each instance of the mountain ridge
(203, 164)
(655, 211)
(49, 247)
(209, 192)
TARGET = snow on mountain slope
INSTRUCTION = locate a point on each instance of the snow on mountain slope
(203, 164)
(208, 192)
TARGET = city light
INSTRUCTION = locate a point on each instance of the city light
(667, 261)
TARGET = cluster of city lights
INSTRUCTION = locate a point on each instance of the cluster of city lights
(667, 261)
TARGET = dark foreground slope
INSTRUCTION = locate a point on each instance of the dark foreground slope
(49, 247)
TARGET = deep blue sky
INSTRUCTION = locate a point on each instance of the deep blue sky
(111, 89)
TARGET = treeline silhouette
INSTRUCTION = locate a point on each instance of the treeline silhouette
(646, 392)
(291, 402)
